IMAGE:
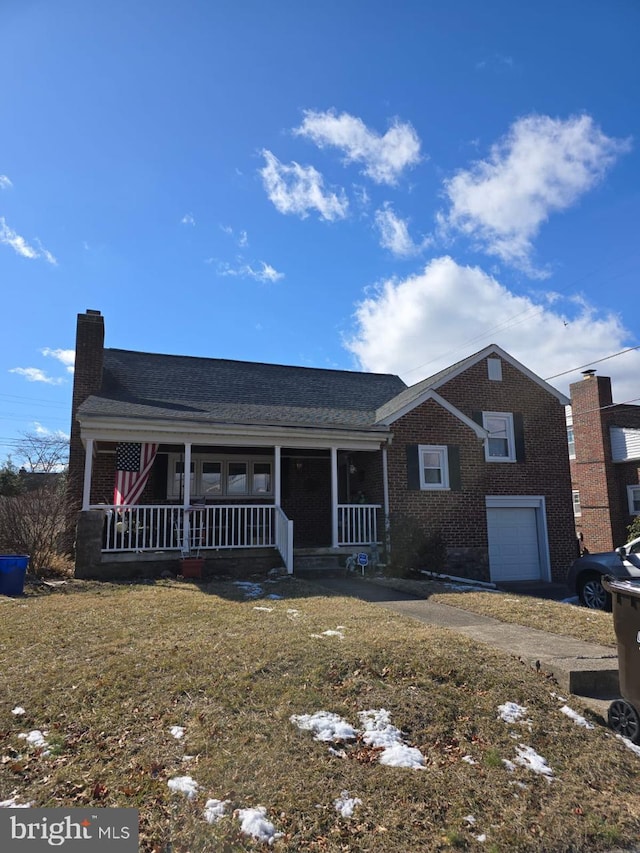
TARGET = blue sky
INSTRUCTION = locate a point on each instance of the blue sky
(353, 185)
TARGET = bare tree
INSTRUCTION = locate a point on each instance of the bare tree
(44, 453)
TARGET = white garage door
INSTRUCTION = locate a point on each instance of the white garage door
(514, 553)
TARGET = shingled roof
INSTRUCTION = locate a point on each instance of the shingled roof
(150, 385)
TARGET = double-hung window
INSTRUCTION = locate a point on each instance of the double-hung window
(500, 445)
(571, 442)
(577, 509)
(633, 493)
(434, 468)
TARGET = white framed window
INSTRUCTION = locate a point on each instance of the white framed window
(501, 445)
(577, 509)
(633, 493)
(434, 467)
(221, 476)
(571, 442)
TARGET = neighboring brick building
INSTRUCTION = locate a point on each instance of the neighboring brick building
(319, 458)
(604, 452)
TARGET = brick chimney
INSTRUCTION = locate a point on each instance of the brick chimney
(592, 471)
(86, 381)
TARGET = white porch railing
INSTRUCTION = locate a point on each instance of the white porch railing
(358, 524)
(284, 538)
(168, 528)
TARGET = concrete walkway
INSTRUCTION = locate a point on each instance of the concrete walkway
(584, 669)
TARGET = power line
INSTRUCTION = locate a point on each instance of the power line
(597, 361)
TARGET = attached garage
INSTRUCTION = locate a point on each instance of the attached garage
(517, 535)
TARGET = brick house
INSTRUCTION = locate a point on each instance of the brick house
(604, 453)
(295, 463)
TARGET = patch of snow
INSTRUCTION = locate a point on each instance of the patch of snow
(470, 819)
(511, 712)
(529, 758)
(469, 759)
(184, 785)
(379, 732)
(325, 725)
(509, 765)
(577, 718)
(264, 609)
(345, 804)
(215, 810)
(331, 633)
(401, 755)
(12, 803)
(177, 731)
(253, 822)
(339, 753)
(481, 838)
(292, 611)
(18, 711)
(630, 744)
(36, 738)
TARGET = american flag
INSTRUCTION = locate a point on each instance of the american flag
(133, 466)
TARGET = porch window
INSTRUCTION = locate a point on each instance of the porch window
(262, 478)
(221, 476)
(237, 478)
(177, 484)
(211, 478)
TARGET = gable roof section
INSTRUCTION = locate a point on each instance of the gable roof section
(416, 394)
(168, 387)
(430, 394)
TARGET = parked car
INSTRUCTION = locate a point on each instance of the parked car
(586, 573)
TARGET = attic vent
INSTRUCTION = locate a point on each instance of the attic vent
(494, 366)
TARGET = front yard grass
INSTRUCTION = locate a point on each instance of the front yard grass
(106, 671)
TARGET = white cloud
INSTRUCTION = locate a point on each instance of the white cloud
(542, 165)
(264, 273)
(242, 239)
(64, 356)
(426, 322)
(34, 374)
(5, 183)
(188, 219)
(298, 189)
(10, 238)
(384, 157)
(394, 234)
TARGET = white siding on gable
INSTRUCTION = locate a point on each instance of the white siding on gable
(494, 366)
(625, 443)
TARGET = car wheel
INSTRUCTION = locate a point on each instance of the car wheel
(592, 594)
(624, 720)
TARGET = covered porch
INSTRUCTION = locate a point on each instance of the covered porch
(244, 493)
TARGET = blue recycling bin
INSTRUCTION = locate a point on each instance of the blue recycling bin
(13, 568)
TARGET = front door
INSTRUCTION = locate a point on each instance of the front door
(306, 498)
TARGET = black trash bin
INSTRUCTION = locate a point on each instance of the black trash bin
(624, 714)
(13, 568)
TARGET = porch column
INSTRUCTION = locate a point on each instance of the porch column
(334, 497)
(186, 492)
(385, 493)
(277, 479)
(88, 469)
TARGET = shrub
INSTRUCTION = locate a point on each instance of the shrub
(634, 529)
(413, 549)
(32, 523)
